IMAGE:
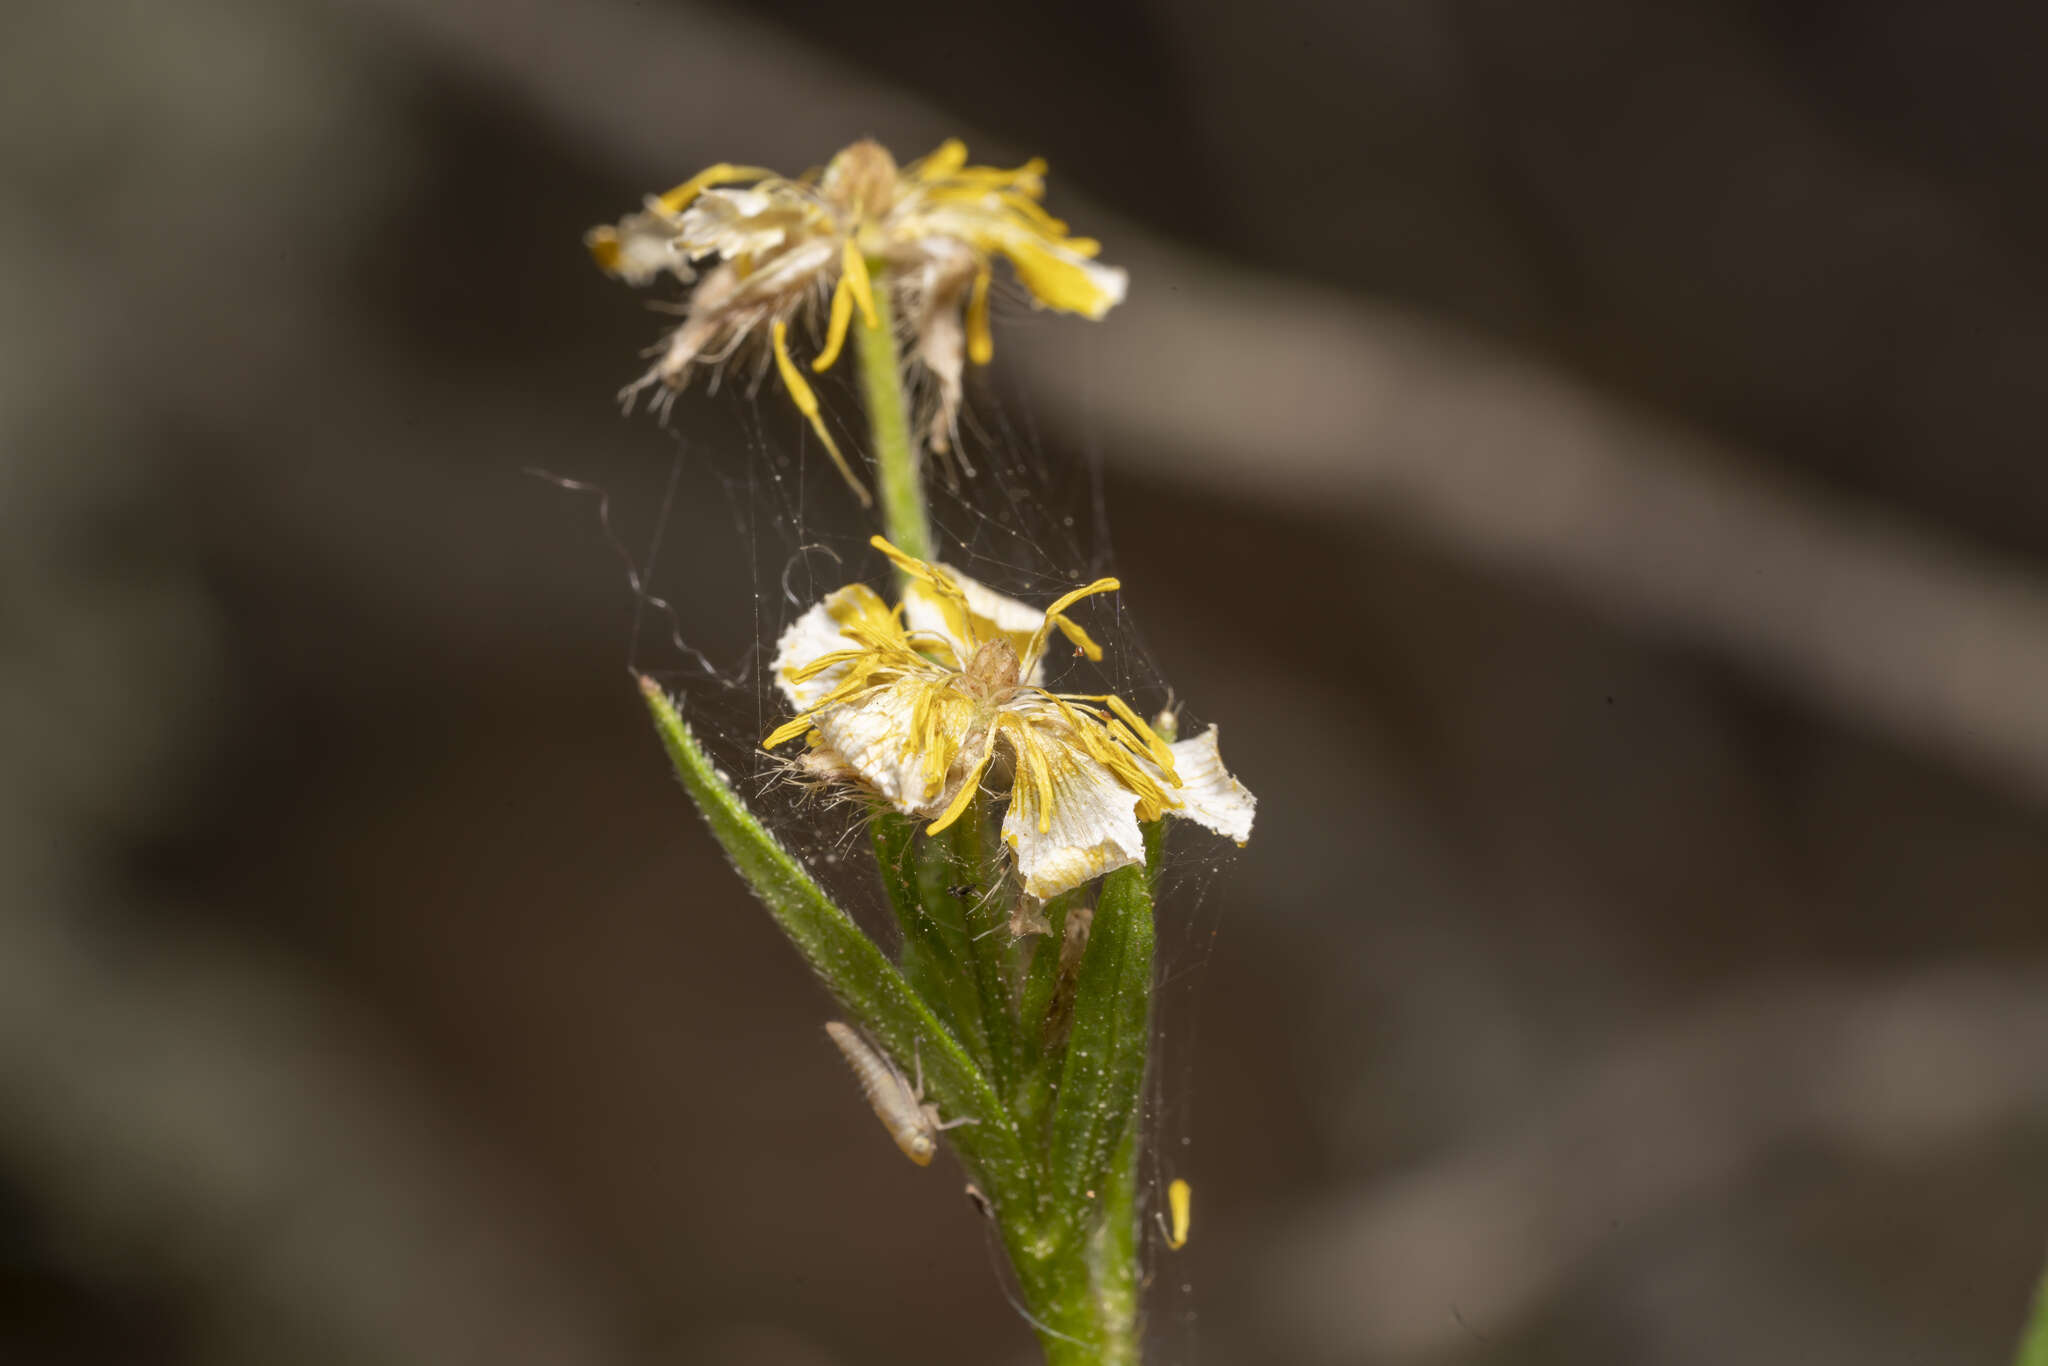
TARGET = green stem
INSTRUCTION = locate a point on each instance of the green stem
(1091, 1173)
(1113, 1255)
(897, 458)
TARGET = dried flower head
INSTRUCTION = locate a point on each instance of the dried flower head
(927, 234)
(921, 701)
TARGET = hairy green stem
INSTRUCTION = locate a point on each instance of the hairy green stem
(1045, 1053)
(898, 462)
(1113, 1255)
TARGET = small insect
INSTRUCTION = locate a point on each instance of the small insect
(1178, 1197)
(898, 1104)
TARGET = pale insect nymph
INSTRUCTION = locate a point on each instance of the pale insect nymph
(900, 1105)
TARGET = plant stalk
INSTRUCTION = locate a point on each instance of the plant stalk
(898, 462)
(1074, 1246)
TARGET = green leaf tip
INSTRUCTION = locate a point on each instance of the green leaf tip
(1103, 1075)
(866, 984)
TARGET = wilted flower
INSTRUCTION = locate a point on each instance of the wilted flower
(919, 701)
(927, 234)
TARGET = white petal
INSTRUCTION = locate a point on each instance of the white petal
(1094, 829)
(816, 633)
(933, 278)
(823, 763)
(647, 246)
(730, 221)
(873, 736)
(941, 349)
(781, 275)
(992, 615)
(1208, 794)
(1111, 280)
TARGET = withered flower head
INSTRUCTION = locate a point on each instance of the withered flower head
(917, 703)
(924, 237)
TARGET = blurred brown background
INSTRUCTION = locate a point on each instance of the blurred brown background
(1588, 456)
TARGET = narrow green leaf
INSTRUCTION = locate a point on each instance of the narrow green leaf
(1113, 1253)
(1031, 1098)
(934, 952)
(865, 982)
(961, 879)
(1042, 977)
(1103, 1075)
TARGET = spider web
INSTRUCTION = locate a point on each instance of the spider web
(1006, 512)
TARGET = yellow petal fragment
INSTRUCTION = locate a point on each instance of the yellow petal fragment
(948, 157)
(724, 173)
(1083, 642)
(1062, 279)
(854, 274)
(948, 596)
(1028, 207)
(605, 248)
(1031, 176)
(813, 658)
(1179, 1196)
(920, 570)
(835, 331)
(981, 347)
(1073, 633)
(933, 618)
(787, 731)
(969, 785)
(1034, 766)
(807, 404)
(1161, 755)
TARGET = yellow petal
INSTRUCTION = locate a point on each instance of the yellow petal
(811, 656)
(981, 347)
(969, 785)
(603, 243)
(835, 331)
(988, 615)
(807, 404)
(1161, 753)
(724, 173)
(1058, 278)
(854, 274)
(948, 157)
(788, 730)
(1179, 1196)
(1036, 649)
